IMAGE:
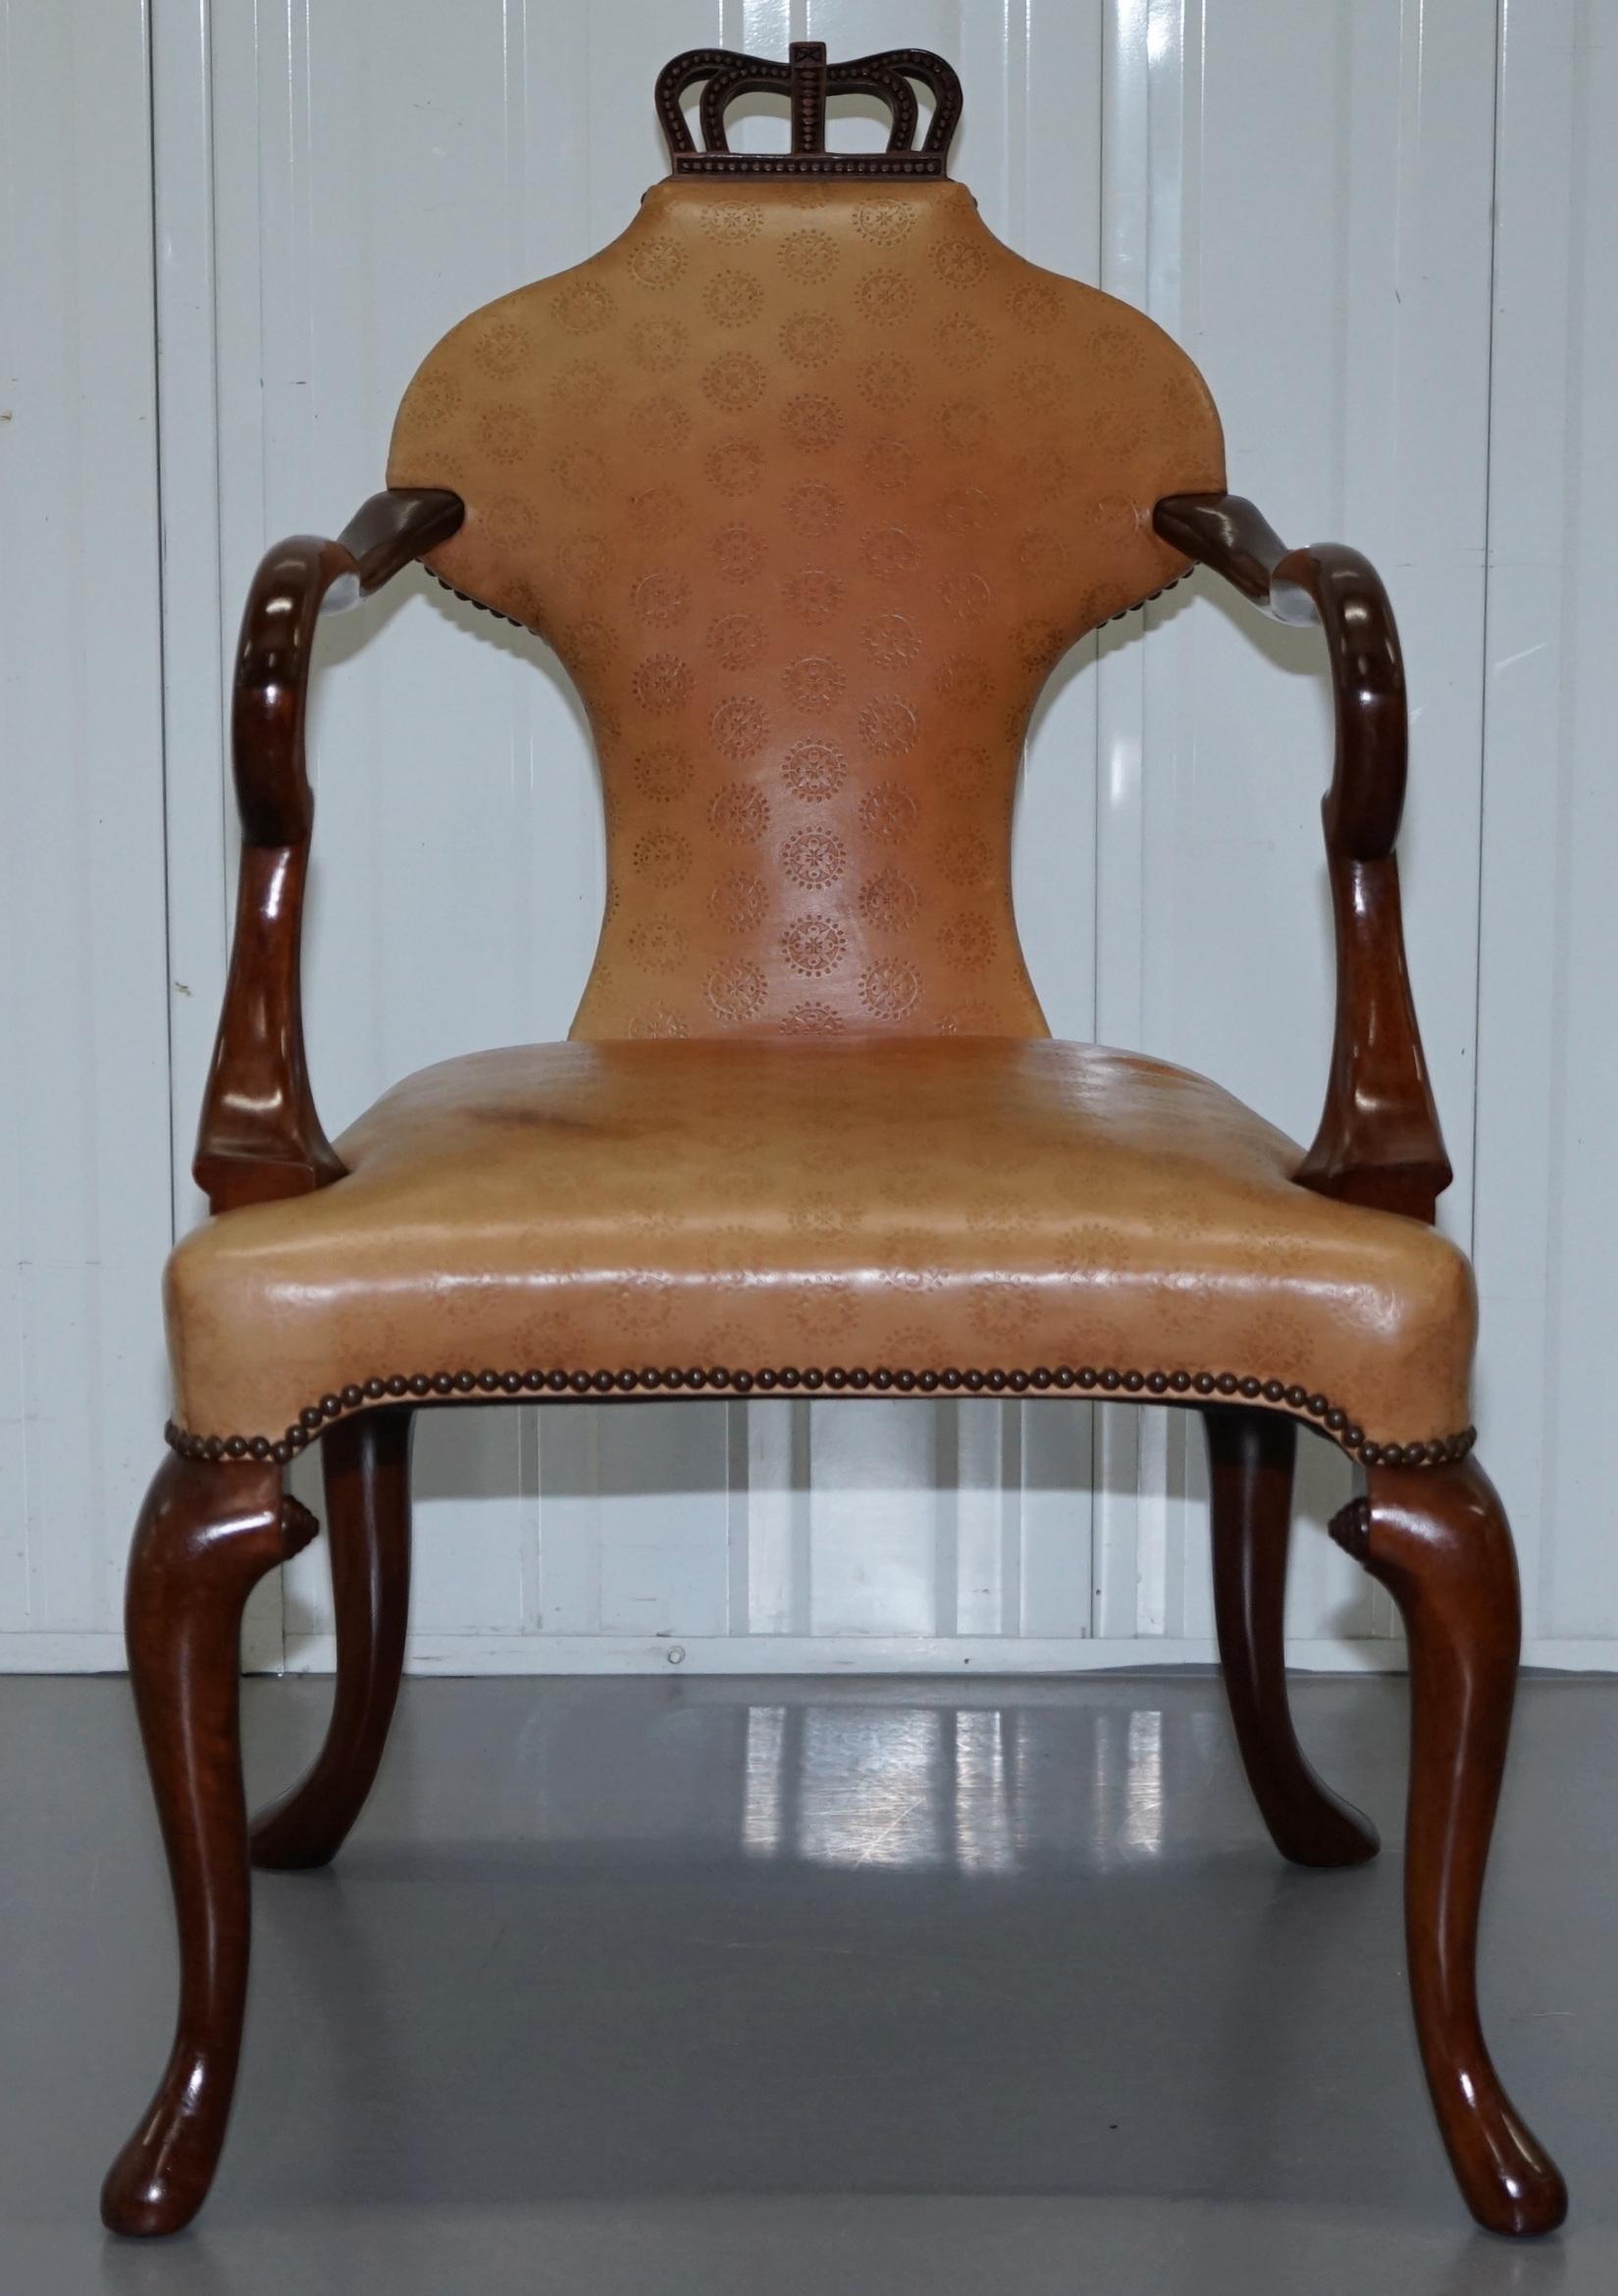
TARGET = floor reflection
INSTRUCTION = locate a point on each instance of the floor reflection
(921, 1787)
(796, 1983)
(1134, 1791)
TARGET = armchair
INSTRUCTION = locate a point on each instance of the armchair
(809, 482)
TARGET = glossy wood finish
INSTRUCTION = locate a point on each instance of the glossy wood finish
(367, 1474)
(1378, 1140)
(260, 1136)
(1440, 1543)
(1251, 1456)
(1439, 1539)
(206, 1535)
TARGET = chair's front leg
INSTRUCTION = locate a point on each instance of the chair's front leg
(207, 1534)
(1251, 1455)
(367, 1475)
(1437, 1539)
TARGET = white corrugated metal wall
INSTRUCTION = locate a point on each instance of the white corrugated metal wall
(1378, 226)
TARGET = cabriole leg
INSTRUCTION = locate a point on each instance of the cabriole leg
(207, 1534)
(1251, 1456)
(1437, 1539)
(366, 1462)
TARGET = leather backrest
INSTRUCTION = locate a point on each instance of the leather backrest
(809, 484)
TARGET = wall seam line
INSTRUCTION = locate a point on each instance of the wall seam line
(1487, 605)
(162, 615)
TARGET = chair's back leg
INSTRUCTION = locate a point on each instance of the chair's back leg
(207, 1534)
(1437, 1539)
(366, 1463)
(1250, 1459)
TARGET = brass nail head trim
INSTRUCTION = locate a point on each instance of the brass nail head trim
(535, 1385)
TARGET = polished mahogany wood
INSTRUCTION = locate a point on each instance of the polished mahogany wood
(367, 1474)
(1251, 1455)
(206, 1535)
(260, 1136)
(1379, 1141)
(1439, 1540)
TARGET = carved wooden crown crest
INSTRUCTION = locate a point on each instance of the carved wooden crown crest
(806, 79)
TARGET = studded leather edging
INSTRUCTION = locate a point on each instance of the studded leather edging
(429, 1386)
(466, 598)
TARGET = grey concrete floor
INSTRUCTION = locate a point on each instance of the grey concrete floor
(793, 1986)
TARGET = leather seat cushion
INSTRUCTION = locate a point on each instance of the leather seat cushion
(926, 1206)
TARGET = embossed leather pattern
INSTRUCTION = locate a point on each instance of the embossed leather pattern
(929, 1205)
(809, 484)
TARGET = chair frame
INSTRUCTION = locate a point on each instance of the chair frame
(1430, 1528)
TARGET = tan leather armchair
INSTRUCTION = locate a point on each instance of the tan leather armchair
(809, 482)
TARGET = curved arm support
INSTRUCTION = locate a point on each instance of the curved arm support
(1378, 1142)
(260, 1136)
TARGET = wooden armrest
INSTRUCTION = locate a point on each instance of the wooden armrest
(260, 1136)
(1379, 1141)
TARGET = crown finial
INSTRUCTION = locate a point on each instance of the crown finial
(806, 79)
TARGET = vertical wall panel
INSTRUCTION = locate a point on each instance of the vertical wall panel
(1301, 195)
(85, 1212)
(1547, 1238)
